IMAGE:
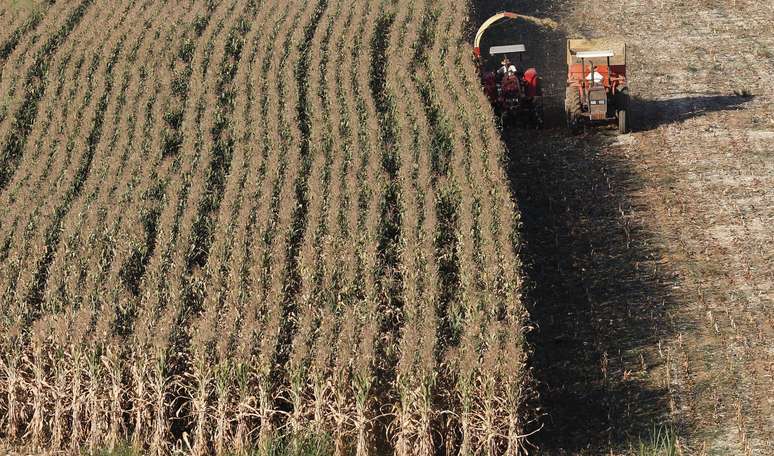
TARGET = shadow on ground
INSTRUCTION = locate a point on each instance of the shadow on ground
(650, 114)
(594, 284)
(594, 290)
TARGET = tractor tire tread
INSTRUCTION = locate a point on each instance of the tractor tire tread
(622, 111)
(572, 108)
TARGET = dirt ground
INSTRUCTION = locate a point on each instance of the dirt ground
(650, 255)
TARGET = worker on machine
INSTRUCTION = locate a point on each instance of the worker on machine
(503, 71)
(507, 69)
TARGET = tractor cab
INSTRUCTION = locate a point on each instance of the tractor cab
(597, 91)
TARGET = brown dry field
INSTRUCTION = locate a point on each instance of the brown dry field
(650, 256)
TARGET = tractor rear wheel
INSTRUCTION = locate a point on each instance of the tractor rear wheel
(572, 108)
(622, 111)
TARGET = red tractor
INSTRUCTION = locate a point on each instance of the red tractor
(515, 95)
(597, 92)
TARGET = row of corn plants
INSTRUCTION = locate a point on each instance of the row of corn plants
(230, 408)
(45, 174)
(138, 178)
(208, 370)
(22, 194)
(215, 373)
(113, 313)
(310, 350)
(327, 376)
(21, 281)
(39, 361)
(372, 184)
(15, 129)
(328, 406)
(415, 383)
(331, 369)
(237, 391)
(17, 23)
(246, 383)
(291, 130)
(476, 426)
(20, 199)
(292, 345)
(86, 250)
(253, 371)
(93, 345)
(109, 325)
(17, 63)
(255, 394)
(144, 182)
(65, 56)
(286, 234)
(498, 218)
(151, 366)
(96, 348)
(193, 180)
(73, 169)
(13, 361)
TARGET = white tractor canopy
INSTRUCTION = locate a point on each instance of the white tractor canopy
(593, 54)
(510, 49)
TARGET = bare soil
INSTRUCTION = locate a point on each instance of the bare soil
(649, 255)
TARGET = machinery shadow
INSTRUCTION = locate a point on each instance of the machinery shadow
(593, 283)
(594, 290)
(651, 114)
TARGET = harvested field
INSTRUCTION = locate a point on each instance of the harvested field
(648, 257)
(294, 227)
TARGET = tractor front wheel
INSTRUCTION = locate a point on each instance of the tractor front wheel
(622, 111)
(572, 108)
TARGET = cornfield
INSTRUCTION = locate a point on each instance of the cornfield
(232, 225)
